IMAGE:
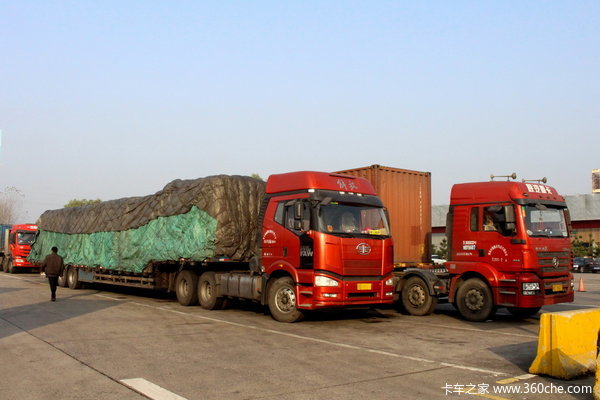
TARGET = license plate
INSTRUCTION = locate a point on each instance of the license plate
(557, 288)
(363, 286)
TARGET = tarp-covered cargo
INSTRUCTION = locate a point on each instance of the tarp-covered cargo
(191, 219)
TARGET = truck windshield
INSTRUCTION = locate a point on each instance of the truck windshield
(25, 237)
(545, 221)
(353, 220)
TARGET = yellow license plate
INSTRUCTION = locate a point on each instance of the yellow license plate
(557, 288)
(363, 286)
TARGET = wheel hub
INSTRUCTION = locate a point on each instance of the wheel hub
(416, 295)
(285, 300)
(474, 300)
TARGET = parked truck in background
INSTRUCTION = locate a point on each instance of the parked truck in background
(15, 245)
(508, 244)
(302, 241)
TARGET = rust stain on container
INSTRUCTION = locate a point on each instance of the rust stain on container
(407, 196)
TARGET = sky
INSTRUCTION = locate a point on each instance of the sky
(111, 99)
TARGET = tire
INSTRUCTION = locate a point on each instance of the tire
(474, 300)
(282, 301)
(62, 280)
(416, 299)
(186, 288)
(523, 312)
(10, 268)
(207, 292)
(73, 278)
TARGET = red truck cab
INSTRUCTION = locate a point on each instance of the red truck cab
(16, 247)
(509, 247)
(325, 243)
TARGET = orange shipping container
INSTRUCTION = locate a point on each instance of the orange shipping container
(407, 196)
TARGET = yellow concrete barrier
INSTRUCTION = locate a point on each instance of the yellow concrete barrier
(567, 343)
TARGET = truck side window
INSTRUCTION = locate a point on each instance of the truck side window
(474, 220)
(494, 220)
(279, 213)
(289, 217)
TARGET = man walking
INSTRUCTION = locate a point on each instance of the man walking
(54, 267)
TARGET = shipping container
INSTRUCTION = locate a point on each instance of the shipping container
(407, 196)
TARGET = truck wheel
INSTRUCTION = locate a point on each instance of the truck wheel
(208, 291)
(282, 301)
(10, 268)
(474, 300)
(62, 280)
(523, 312)
(186, 288)
(73, 278)
(416, 298)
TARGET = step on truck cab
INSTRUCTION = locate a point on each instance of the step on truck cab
(509, 246)
(325, 243)
(15, 246)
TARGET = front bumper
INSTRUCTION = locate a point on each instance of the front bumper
(348, 294)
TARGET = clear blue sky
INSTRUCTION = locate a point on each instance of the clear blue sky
(110, 99)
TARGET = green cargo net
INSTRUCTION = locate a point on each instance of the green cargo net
(190, 236)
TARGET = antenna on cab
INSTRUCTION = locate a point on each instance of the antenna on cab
(543, 180)
(508, 177)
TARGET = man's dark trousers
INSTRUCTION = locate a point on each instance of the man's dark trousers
(53, 281)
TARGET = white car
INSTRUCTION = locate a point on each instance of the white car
(437, 260)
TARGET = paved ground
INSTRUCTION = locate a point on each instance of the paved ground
(91, 342)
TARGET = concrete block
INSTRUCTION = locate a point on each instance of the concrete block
(567, 343)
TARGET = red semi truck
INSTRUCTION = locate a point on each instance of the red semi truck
(508, 245)
(324, 243)
(15, 245)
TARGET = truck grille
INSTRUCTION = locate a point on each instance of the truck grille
(546, 261)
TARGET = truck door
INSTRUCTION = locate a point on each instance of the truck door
(285, 238)
(497, 228)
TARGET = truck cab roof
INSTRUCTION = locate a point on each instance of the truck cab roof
(521, 192)
(306, 180)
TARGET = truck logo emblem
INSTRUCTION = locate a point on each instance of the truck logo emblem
(363, 249)
(555, 262)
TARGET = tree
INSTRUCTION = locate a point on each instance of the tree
(81, 202)
(441, 250)
(10, 205)
(257, 176)
(582, 248)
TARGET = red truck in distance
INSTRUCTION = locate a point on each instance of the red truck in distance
(15, 245)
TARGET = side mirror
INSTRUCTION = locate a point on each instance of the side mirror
(297, 225)
(509, 213)
(298, 210)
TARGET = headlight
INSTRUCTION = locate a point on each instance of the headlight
(325, 281)
(390, 282)
(531, 286)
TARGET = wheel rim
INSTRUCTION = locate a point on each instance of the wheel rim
(285, 300)
(416, 296)
(184, 287)
(474, 300)
(205, 291)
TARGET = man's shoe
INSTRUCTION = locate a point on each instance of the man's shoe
(53, 299)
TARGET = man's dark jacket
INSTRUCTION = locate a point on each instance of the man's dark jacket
(53, 265)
